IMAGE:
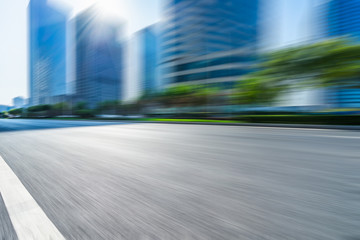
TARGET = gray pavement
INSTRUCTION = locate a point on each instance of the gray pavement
(7, 231)
(100, 180)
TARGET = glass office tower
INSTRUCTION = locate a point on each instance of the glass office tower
(341, 18)
(149, 55)
(98, 58)
(142, 62)
(47, 52)
(207, 42)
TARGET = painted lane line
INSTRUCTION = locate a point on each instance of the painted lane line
(28, 219)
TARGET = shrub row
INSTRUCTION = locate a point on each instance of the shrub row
(303, 119)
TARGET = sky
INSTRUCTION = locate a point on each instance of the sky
(285, 22)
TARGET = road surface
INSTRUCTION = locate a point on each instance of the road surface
(101, 180)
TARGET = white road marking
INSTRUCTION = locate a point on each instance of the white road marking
(28, 219)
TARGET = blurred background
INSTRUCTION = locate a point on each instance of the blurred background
(259, 60)
(226, 68)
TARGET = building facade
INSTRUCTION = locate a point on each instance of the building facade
(99, 60)
(141, 65)
(47, 52)
(149, 54)
(207, 42)
(18, 102)
(338, 18)
(4, 108)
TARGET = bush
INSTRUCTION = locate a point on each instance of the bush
(40, 108)
(85, 113)
(303, 119)
(3, 114)
(16, 111)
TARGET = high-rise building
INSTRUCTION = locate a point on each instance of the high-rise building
(18, 102)
(99, 59)
(149, 54)
(142, 61)
(337, 18)
(4, 108)
(47, 52)
(206, 42)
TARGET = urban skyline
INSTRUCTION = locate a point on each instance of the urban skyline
(182, 119)
(149, 17)
(14, 47)
(218, 51)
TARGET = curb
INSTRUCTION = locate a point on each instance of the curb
(331, 127)
(279, 125)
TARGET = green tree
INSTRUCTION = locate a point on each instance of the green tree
(177, 95)
(60, 108)
(332, 62)
(81, 109)
(16, 111)
(204, 96)
(43, 110)
(80, 106)
(40, 108)
(110, 107)
(188, 95)
(3, 114)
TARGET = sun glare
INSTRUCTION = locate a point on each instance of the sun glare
(110, 8)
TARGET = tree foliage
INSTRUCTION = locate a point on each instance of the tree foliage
(111, 106)
(324, 63)
(188, 95)
(332, 62)
(62, 106)
(256, 90)
(16, 111)
(80, 106)
(39, 108)
(3, 114)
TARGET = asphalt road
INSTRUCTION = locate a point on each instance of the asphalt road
(99, 180)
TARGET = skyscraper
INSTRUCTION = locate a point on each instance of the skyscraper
(339, 18)
(18, 102)
(142, 61)
(149, 53)
(47, 52)
(99, 58)
(207, 42)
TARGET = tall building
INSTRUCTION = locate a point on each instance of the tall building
(142, 60)
(149, 54)
(47, 52)
(4, 108)
(338, 18)
(286, 23)
(206, 42)
(18, 102)
(99, 58)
